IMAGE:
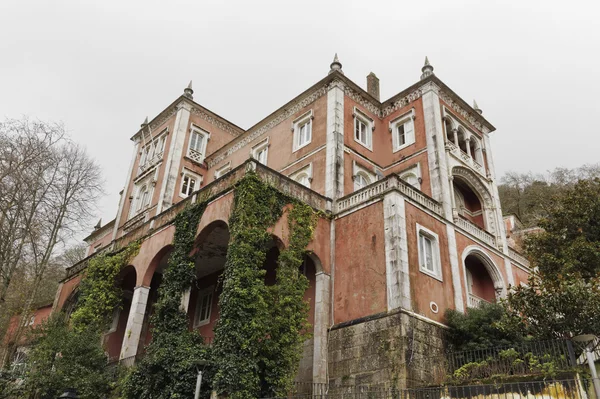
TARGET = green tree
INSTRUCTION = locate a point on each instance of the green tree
(64, 358)
(479, 328)
(562, 298)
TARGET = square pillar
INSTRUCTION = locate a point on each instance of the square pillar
(135, 321)
(322, 307)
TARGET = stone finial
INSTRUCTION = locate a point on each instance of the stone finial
(144, 123)
(98, 225)
(427, 69)
(188, 91)
(476, 108)
(336, 65)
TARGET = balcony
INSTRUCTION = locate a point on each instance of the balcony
(476, 231)
(474, 301)
(465, 159)
(149, 163)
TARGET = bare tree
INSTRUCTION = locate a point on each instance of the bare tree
(48, 193)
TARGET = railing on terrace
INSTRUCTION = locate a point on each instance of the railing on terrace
(476, 231)
(518, 257)
(528, 358)
(569, 388)
(387, 184)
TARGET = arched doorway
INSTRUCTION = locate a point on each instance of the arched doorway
(484, 283)
(210, 255)
(113, 338)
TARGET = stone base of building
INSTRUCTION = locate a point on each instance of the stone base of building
(387, 349)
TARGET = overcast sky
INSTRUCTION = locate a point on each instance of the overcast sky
(532, 66)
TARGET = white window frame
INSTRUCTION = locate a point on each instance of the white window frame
(201, 294)
(304, 171)
(193, 175)
(149, 155)
(359, 115)
(406, 119)
(414, 170)
(359, 171)
(305, 119)
(437, 265)
(136, 206)
(263, 145)
(223, 170)
(202, 151)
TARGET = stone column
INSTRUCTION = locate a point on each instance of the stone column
(455, 267)
(175, 155)
(334, 149)
(135, 321)
(453, 199)
(455, 133)
(185, 300)
(468, 141)
(396, 252)
(322, 306)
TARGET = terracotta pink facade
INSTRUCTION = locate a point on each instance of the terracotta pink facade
(414, 222)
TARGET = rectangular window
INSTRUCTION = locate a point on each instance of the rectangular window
(363, 129)
(302, 128)
(190, 182)
(197, 146)
(203, 307)
(429, 252)
(261, 151)
(403, 132)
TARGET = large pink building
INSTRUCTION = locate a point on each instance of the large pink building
(416, 225)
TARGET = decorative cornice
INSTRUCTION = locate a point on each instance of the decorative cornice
(462, 112)
(157, 122)
(269, 124)
(363, 101)
(404, 101)
(214, 121)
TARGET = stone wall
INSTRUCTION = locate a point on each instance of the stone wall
(388, 349)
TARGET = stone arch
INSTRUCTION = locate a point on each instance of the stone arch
(474, 182)
(154, 264)
(490, 266)
(463, 137)
(449, 125)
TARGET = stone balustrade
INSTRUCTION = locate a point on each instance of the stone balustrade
(476, 231)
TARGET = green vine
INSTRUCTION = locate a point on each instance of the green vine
(99, 293)
(169, 368)
(259, 334)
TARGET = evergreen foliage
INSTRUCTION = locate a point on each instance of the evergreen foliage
(100, 294)
(168, 370)
(260, 330)
(479, 328)
(63, 357)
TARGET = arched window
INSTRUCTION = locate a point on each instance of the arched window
(143, 197)
(449, 133)
(303, 179)
(462, 139)
(360, 181)
(411, 179)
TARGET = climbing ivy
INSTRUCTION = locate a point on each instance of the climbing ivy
(169, 368)
(100, 294)
(260, 330)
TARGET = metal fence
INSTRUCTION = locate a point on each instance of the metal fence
(529, 358)
(540, 389)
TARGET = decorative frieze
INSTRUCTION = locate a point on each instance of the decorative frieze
(269, 124)
(464, 113)
(166, 115)
(216, 122)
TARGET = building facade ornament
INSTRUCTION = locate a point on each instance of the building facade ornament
(214, 121)
(269, 124)
(469, 117)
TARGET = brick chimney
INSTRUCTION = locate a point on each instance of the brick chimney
(373, 85)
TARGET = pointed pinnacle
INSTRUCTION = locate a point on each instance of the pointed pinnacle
(145, 121)
(336, 59)
(475, 106)
(189, 85)
(426, 61)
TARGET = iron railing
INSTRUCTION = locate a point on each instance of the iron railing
(572, 388)
(528, 358)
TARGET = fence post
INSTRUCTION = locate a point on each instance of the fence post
(572, 358)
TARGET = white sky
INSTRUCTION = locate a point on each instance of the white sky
(532, 66)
